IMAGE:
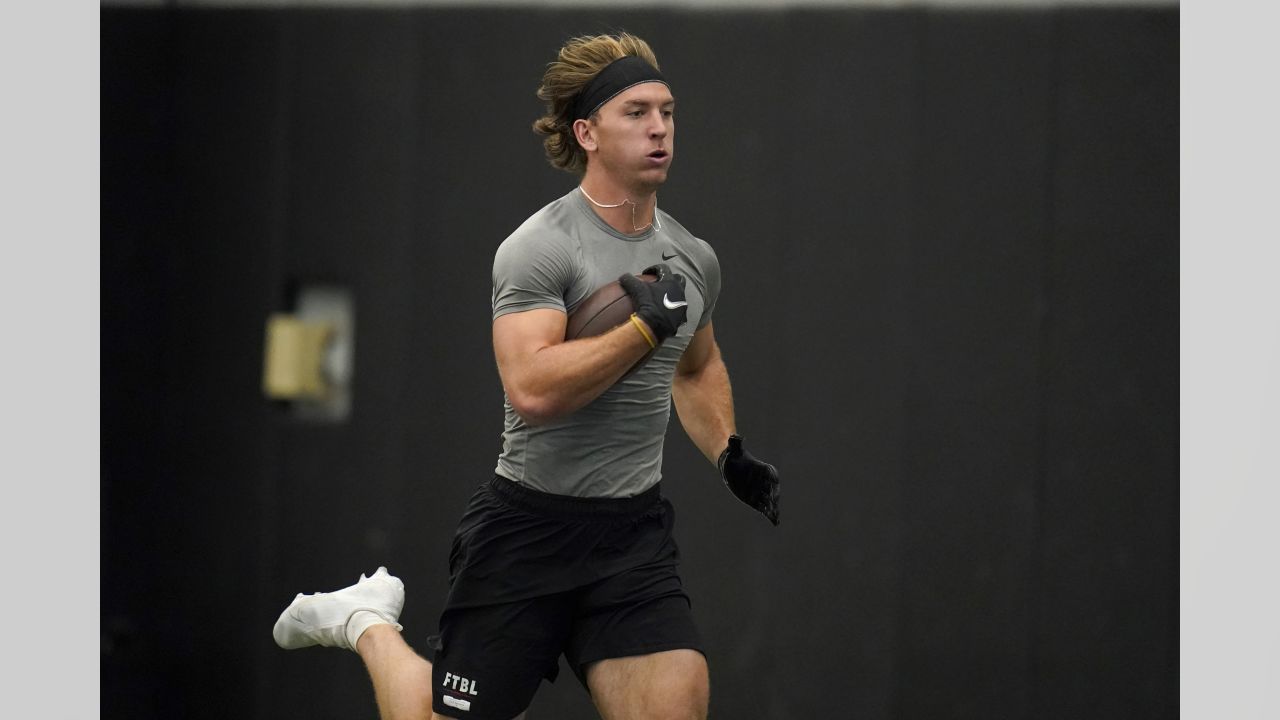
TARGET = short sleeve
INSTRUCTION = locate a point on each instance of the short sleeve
(711, 279)
(531, 272)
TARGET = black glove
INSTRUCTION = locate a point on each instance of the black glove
(660, 304)
(753, 481)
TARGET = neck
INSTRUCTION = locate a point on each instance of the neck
(631, 210)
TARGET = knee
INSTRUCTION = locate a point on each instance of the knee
(693, 702)
(686, 695)
(670, 685)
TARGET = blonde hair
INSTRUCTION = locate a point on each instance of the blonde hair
(581, 59)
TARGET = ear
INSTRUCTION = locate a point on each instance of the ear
(584, 133)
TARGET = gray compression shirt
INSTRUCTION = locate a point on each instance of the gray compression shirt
(612, 447)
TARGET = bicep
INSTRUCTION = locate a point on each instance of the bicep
(518, 335)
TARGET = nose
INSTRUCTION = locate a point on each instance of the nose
(657, 125)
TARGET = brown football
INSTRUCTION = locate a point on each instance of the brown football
(605, 309)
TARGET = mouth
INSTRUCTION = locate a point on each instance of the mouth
(659, 155)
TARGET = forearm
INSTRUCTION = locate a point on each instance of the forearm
(704, 403)
(559, 379)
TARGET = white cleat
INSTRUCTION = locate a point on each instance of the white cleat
(322, 618)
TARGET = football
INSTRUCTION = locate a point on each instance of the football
(605, 309)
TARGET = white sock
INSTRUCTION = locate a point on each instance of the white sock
(362, 620)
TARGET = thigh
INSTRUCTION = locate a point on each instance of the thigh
(669, 685)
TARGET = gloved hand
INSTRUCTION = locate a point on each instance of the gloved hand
(660, 304)
(753, 481)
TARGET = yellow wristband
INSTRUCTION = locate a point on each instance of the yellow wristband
(640, 326)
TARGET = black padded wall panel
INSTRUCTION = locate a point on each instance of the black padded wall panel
(981, 160)
(1106, 636)
(137, 154)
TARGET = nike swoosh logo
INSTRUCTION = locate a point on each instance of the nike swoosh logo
(668, 257)
(672, 305)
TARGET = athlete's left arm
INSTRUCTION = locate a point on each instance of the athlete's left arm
(704, 402)
(703, 397)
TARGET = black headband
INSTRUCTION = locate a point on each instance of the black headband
(621, 74)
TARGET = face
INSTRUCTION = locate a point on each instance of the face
(632, 137)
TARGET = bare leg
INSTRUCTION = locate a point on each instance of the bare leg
(401, 678)
(671, 685)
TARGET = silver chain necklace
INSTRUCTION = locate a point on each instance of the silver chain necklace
(626, 201)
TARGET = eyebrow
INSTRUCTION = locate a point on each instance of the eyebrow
(645, 103)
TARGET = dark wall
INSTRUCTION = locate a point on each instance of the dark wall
(950, 247)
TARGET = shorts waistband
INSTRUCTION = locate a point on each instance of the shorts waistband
(570, 507)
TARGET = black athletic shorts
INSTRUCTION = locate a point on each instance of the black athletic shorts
(535, 575)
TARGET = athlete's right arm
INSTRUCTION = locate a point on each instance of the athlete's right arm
(545, 377)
